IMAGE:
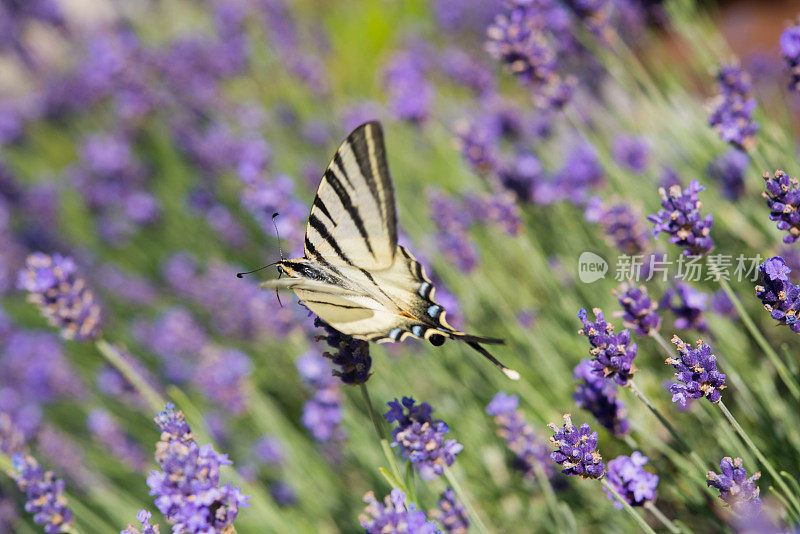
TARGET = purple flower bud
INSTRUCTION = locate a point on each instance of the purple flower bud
(790, 49)
(43, 494)
(731, 111)
(520, 436)
(576, 450)
(143, 517)
(420, 438)
(451, 514)
(735, 489)
(394, 514)
(780, 297)
(696, 373)
(783, 199)
(635, 485)
(598, 396)
(613, 353)
(638, 311)
(680, 217)
(62, 297)
(688, 307)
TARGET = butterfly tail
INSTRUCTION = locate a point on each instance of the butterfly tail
(510, 373)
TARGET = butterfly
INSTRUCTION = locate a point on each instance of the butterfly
(354, 275)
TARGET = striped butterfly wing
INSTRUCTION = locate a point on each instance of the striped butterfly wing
(353, 220)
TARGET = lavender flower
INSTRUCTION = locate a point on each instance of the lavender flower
(697, 373)
(12, 440)
(521, 175)
(735, 489)
(352, 355)
(222, 375)
(599, 397)
(780, 297)
(579, 174)
(114, 384)
(731, 111)
(451, 514)
(721, 303)
(576, 450)
(283, 493)
(410, 94)
(452, 221)
(638, 311)
(635, 485)
(477, 141)
(631, 153)
(62, 297)
(269, 450)
(520, 436)
(421, 438)
(143, 517)
(688, 308)
(43, 494)
(499, 209)
(680, 217)
(111, 436)
(729, 169)
(613, 353)
(783, 200)
(790, 49)
(394, 514)
(463, 69)
(322, 413)
(187, 489)
(621, 223)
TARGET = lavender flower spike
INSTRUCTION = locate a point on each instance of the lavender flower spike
(635, 485)
(735, 489)
(783, 199)
(352, 355)
(451, 514)
(613, 353)
(187, 489)
(639, 312)
(780, 297)
(394, 514)
(680, 217)
(44, 494)
(143, 517)
(790, 49)
(731, 111)
(576, 450)
(420, 438)
(62, 297)
(697, 373)
(598, 396)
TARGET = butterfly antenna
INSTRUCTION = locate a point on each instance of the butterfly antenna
(240, 275)
(510, 373)
(280, 249)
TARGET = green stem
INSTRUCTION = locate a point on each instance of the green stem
(666, 347)
(787, 378)
(628, 508)
(667, 522)
(387, 450)
(692, 455)
(467, 502)
(777, 479)
(114, 357)
(549, 495)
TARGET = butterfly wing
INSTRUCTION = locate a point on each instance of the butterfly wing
(353, 220)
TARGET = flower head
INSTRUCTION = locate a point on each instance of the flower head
(576, 450)
(352, 355)
(688, 305)
(143, 517)
(598, 396)
(627, 475)
(632, 153)
(680, 217)
(519, 434)
(639, 312)
(696, 372)
(43, 494)
(731, 110)
(622, 224)
(410, 93)
(105, 429)
(322, 413)
(729, 169)
(187, 490)
(63, 298)
(420, 438)
(780, 297)
(735, 489)
(783, 199)
(613, 353)
(451, 514)
(394, 514)
(790, 49)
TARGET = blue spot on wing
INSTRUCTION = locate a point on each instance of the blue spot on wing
(417, 330)
(434, 311)
(395, 333)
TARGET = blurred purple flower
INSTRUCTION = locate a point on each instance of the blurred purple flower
(729, 170)
(269, 450)
(527, 449)
(622, 224)
(451, 514)
(576, 450)
(721, 304)
(222, 375)
(175, 337)
(731, 111)
(351, 356)
(126, 286)
(394, 514)
(790, 49)
(697, 373)
(43, 494)
(187, 489)
(580, 173)
(476, 139)
(410, 93)
(688, 308)
(599, 397)
(113, 384)
(627, 475)
(736, 490)
(107, 432)
(452, 221)
(143, 517)
(638, 310)
(62, 297)
(783, 199)
(420, 438)
(613, 354)
(466, 70)
(521, 175)
(680, 217)
(499, 208)
(12, 440)
(322, 413)
(632, 153)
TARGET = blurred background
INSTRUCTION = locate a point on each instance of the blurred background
(151, 141)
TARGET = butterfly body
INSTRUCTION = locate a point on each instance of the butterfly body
(354, 275)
